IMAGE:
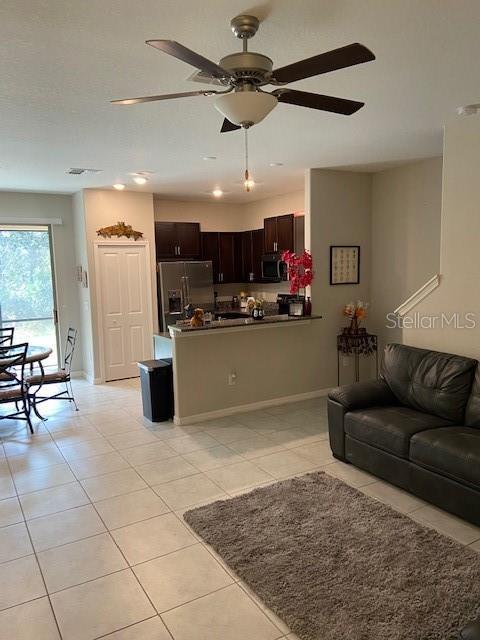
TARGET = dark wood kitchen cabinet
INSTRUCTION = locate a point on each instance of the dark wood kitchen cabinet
(224, 249)
(177, 240)
(252, 250)
(279, 233)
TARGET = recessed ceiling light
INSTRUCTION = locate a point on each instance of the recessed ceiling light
(276, 164)
(217, 193)
(209, 157)
(119, 186)
(140, 180)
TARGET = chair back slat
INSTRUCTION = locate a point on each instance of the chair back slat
(12, 365)
(70, 349)
(6, 335)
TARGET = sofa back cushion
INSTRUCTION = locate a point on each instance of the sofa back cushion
(472, 412)
(429, 381)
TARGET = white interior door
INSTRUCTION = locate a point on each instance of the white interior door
(125, 310)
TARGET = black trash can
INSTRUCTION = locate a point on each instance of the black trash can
(156, 377)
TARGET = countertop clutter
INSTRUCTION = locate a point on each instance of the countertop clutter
(185, 327)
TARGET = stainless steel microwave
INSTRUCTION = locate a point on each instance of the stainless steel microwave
(273, 268)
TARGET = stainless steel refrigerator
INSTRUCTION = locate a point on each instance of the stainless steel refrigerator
(183, 283)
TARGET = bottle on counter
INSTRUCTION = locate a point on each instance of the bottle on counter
(307, 307)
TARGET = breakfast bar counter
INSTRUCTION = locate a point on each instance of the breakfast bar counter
(238, 323)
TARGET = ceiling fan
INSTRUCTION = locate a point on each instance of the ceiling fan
(242, 101)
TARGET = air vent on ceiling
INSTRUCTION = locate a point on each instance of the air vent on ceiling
(78, 171)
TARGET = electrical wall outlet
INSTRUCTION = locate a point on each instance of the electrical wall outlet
(232, 378)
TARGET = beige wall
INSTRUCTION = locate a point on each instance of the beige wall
(223, 216)
(337, 213)
(459, 254)
(406, 218)
(212, 216)
(104, 208)
(19, 207)
(270, 362)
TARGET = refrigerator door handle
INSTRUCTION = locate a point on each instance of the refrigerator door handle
(187, 288)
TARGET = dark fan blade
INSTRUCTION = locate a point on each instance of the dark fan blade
(177, 50)
(317, 101)
(330, 61)
(228, 126)
(165, 96)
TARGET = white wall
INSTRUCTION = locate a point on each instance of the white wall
(406, 220)
(19, 207)
(212, 216)
(459, 253)
(257, 211)
(103, 208)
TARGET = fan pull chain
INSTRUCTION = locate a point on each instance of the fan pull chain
(249, 183)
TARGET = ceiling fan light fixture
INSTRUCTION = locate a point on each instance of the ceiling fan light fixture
(245, 107)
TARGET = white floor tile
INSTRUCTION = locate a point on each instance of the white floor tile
(113, 484)
(152, 629)
(129, 508)
(181, 576)
(36, 479)
(445, 523)
(30, 621)
(229, 434)
(46, 501)
(14, 542)
(193, 442)
(255, 447)
(20, 581)
(132, 439)
(10, 512)
(189, 491)
(166, 470)
(64, 527)
(318, 452)
(238, 476)
(394, 497)
(7, 488)
(228, 614)
(152, 538)
(77, 562)
(86, 449)
(213, 458)
(100, 607)
(146, 453)
(36, 459)
(284, 463)
(349, 474)
(98, 465)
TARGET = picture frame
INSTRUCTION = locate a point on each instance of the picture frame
(344, 264)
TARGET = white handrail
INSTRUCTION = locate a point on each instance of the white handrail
(419, 295)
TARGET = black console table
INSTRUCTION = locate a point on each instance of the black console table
(356, 345)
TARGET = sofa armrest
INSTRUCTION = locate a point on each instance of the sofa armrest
(360, 395)
(471, 631)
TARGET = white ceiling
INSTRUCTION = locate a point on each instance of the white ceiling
(61, 61)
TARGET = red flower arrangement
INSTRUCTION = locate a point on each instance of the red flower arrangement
(300, 269)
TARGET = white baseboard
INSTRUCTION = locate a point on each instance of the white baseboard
(89, 378)
(78, 374)
(254, 406)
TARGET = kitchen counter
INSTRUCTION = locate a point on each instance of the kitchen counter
(239, 323)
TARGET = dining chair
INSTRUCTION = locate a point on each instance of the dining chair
(13, 388)
(6, 335)
(60, 376)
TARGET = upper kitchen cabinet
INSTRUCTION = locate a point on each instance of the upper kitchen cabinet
(279, 233)
(252, 250)
(225, 252)
(177, 240)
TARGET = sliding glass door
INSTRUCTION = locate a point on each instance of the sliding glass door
(27, 292)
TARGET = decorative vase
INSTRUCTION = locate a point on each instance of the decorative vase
(354, 326)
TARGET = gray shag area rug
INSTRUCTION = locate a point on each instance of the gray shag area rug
(336, 564)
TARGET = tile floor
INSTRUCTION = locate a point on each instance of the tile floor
(92, 540)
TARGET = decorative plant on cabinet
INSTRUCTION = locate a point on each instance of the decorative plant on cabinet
(300, 274)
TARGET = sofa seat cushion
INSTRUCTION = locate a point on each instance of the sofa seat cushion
(451, 451)
(390, 428)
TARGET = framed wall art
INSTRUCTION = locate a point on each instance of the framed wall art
(344, 264)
